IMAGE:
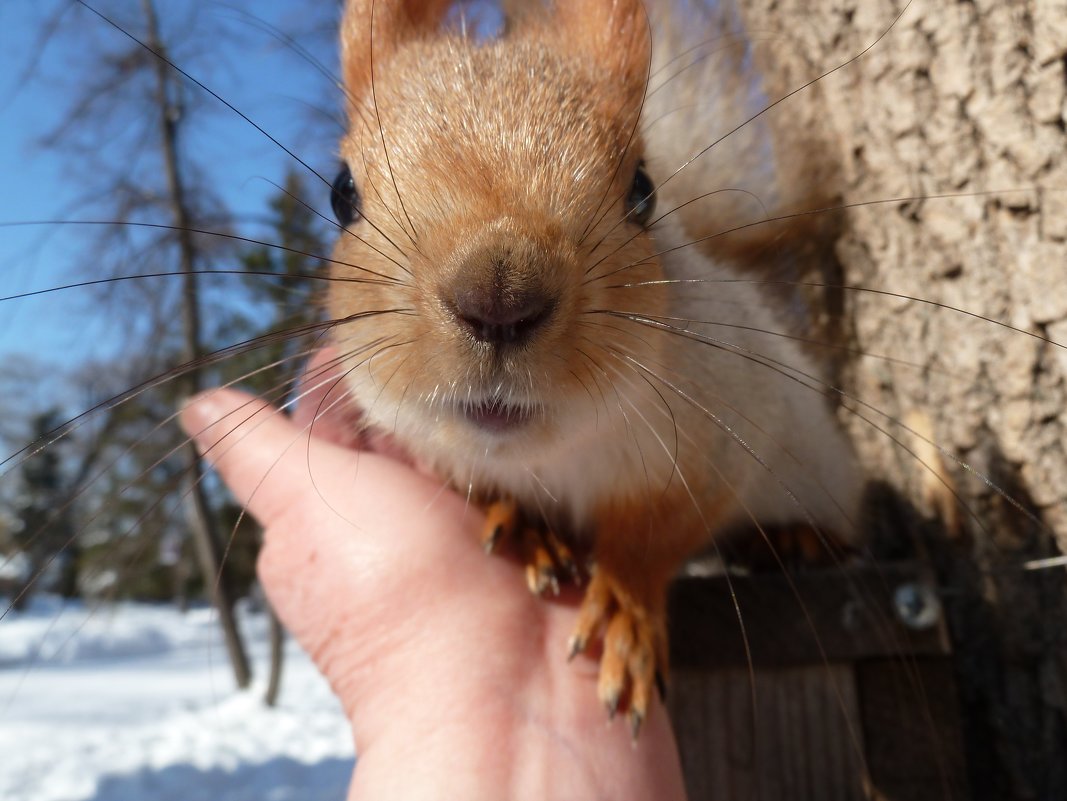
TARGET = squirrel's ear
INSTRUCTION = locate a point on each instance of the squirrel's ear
(373, 29)
(616, 32)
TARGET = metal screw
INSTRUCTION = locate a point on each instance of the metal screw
(917, 606)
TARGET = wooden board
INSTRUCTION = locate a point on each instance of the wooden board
(816, 691)
(813, 618)
(791, 734)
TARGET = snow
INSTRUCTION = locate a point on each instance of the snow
(136, 703)
(15, 569)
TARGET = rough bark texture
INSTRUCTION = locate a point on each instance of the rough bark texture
(962, 97)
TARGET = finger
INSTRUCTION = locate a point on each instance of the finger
(273, 466)
(266, 460)
(323, 404)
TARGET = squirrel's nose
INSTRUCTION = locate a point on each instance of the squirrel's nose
(501, 316)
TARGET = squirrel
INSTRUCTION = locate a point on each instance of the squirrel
(521, 308)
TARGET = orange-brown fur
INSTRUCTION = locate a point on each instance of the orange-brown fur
(521, 152)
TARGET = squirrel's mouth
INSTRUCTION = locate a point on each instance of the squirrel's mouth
(496, 415)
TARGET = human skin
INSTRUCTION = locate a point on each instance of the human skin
(453, 676)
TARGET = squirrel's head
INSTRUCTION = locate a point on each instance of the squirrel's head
(494, 201)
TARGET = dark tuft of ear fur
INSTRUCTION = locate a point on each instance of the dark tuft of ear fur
(374, 29)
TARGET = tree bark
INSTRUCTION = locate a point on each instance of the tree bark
(965, 99)
(277, 660)
(197, 509)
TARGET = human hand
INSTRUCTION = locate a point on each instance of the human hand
(453, 675)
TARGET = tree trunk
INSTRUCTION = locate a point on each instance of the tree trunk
(277, 660)
(197, 510)
(957, 98)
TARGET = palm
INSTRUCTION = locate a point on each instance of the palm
(430, 645)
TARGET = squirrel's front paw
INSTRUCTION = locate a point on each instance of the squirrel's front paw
(547, 559)
(634, 638)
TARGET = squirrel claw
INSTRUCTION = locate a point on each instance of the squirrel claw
(501, 520)
(634, 658)
(563, 556)
(612, 705)
(661, 686)
(541, 581)
(637, 719)
(548, 560)
(541, 573)
(553, 560)
(575, 646)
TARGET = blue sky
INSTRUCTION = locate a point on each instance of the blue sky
(266, 79)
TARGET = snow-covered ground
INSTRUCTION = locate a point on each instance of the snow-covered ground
(136, 703)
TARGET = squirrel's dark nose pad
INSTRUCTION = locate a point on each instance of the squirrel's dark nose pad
(498, 316)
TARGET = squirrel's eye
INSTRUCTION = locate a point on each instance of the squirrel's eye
(344, 197)
(641, 202)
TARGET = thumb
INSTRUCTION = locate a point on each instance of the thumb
(272, 465)
(308, 560)
(253, 446)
